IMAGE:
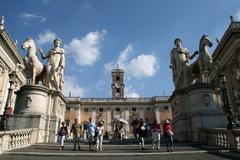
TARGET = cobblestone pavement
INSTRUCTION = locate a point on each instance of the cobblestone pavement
(120, 152)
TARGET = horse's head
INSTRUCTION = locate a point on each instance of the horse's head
(28, 43)
(205, 41)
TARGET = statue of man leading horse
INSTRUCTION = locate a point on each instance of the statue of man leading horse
(184, 73)
(51, 75)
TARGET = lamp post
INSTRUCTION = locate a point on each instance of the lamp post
(5, 116)
(226, 106)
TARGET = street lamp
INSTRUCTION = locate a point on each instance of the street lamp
(6, 113)
(226, 106)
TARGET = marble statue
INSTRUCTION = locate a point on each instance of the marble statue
(33, 67)
(200, 68)
(55, 65)
(180, 65)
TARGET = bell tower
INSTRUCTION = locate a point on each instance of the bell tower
(118, 83)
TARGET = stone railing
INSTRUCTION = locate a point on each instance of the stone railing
(14, 139)
(221, 137)
(130, 99)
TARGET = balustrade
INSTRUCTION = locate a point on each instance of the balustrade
(221, 137)
(14, 139)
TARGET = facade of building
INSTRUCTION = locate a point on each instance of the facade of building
(109, 110)
(226, 58)
(10, 60)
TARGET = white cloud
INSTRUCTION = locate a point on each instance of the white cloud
(71, 85)
(123, 57)
(86, 51)
(46, 37)
(29, 17)
(144, 65)
(130, 92)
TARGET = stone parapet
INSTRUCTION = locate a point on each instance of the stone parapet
(15, 139)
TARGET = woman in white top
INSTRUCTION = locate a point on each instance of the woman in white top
(99, 137)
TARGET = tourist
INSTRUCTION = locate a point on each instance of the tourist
(148, 127)
(99, 137)
(91, 127)
(121, 132)
(62, 135)
(142, 132)
(77, 133)
(134, 128)
(168, 134)
(156, 134)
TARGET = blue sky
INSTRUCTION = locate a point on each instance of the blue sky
(136, 34)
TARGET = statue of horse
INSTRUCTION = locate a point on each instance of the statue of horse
(201, 66)
(33, 67)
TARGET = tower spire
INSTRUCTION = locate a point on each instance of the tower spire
(118, 83)
(2, 21)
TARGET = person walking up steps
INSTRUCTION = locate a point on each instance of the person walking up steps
(77, 133)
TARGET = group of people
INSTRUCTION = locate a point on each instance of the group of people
(94, 135)
(95, 132)
(147, 130)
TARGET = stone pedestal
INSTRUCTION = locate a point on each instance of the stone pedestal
(39, 107)
(195, 107)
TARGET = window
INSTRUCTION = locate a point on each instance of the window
(117, 78)
(85, 109)
(166, 108)
(149, 109)
(117, 109)
(118, 90)
(67, 108)
(100, 109)
(134, 109)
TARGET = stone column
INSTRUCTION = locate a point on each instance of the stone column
(93, 114)
(78, 113)
(109, 120)
(157, 113)
(141, 113)
(126, 117)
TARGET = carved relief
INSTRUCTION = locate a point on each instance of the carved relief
(2, 70)
(234, 81)
(176, 105)
(60, 108)
(28, 101)
(206, 99)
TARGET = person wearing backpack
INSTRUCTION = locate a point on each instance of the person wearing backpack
(142, 132)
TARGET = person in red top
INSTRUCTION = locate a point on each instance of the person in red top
(168, 134)
(156, 131)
